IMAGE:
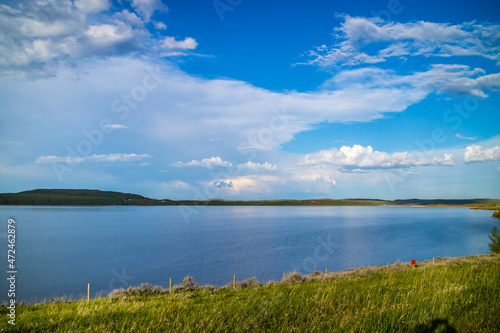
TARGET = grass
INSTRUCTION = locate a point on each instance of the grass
(461, 294)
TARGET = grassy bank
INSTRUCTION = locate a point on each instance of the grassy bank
(459, 293)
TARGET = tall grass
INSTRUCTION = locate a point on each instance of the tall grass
(461, 294)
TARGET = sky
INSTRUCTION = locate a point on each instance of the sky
(240, 99)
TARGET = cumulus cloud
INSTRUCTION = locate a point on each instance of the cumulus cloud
(475, 153)
(206, 162)
(222, 184)
(129, 18)
(358, 156)
(393, 39)
(251, 184)
(146, 8)
(110, 158)
(160, 25)
(187, 44)
(39, 34)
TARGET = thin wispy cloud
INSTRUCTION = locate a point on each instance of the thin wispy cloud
(459, 136)
(411, 39)
(116, 126)
(206, 163)
(110, 158)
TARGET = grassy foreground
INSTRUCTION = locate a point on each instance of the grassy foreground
(459, 294)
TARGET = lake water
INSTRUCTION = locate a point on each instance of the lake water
(61, 249)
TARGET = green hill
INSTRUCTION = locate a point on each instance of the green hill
(448, 295)
(73, 197)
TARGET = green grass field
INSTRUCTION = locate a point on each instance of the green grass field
(458, 294)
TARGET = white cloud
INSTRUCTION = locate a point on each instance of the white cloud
(173, 54)
(458, 135)
(92, 6)
(475, 153)
(129, 18)
(189, 110)
(116, 126)
(37, 35)
(245, 185)
(160, 25)
(187, 44)
(33, 41)
(358, 156)
(406, 39)
(218, 162)
(107, 34)
(206, 162)
(458, 80)
(146, 8)
(110, 158)
(257, 166)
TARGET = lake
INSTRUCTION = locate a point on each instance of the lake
(61, 249)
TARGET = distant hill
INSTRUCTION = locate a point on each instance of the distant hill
(74, 197)
(83, 197)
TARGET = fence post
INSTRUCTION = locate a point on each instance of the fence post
(234, 280)
(284, 275)
(88, 292)
(170, 286)
(326, 271)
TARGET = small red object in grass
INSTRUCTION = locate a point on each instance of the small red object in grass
(413, 262)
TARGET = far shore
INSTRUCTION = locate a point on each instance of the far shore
(86, 197)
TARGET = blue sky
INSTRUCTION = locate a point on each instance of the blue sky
(243, 99)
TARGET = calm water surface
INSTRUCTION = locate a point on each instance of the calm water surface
(61, 249)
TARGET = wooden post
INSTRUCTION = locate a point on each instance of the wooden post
(284, 275)
(234, 281)
(88, 292)
(326, 271)
(170, 286)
